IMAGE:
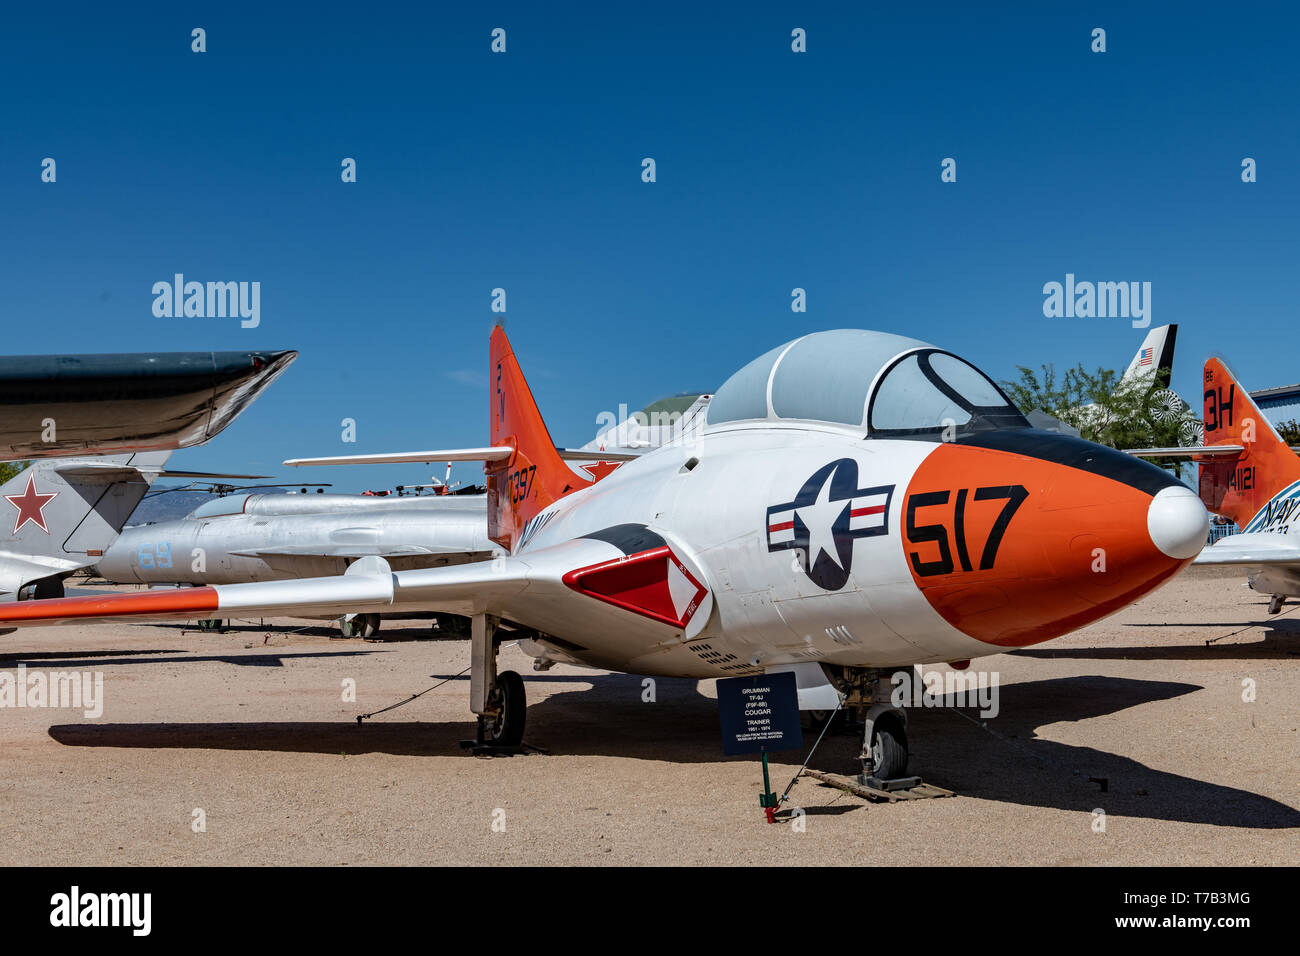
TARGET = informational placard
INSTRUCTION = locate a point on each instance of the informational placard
(759, 713)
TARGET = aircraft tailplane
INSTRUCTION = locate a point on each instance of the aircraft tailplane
(1155, 357)
(534, 476)
(60, 514)
(1240, 486)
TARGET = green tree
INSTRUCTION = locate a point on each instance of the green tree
(1107, 410)
(1290, 431)
(10, 468)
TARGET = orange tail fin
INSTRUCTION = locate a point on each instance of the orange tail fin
(1240, 486)
(535, 476)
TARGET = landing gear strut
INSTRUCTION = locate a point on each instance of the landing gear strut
(1275, 603)
(498, 699)
(884, 739)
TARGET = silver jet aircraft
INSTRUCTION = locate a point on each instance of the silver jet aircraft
(59, 514)
(275, 537)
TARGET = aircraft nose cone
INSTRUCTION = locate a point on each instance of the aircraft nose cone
(1028, 535)
(1177, 522)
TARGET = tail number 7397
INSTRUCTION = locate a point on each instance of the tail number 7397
(520, 483)
(947, 538)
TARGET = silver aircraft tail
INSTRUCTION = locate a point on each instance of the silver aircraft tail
(1155, 357)
(58, 515)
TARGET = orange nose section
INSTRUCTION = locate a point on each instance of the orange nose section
(1013, 549)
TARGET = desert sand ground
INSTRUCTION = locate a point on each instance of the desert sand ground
(250, 728)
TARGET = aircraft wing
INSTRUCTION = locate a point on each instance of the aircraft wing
(368, 585)
(345, 593)
(108, 404)
(1258, 550)
(627, 578)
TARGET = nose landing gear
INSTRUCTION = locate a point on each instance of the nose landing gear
(884, 739)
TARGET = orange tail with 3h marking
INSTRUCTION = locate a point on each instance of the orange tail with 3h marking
(535, 475)
(1241, 485)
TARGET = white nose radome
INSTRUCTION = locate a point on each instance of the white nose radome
(1177, 522)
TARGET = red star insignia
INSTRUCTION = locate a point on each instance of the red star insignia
(31, 505)
(599, 469)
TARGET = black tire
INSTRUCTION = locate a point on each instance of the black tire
(889, 747)
(48, 588)
(506, 727)
(817, 719)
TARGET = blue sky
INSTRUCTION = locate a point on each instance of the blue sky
(523, 170)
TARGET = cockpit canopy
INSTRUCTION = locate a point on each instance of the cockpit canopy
(877, 383)
(219, 507)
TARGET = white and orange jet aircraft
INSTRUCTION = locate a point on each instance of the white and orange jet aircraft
(856, 502)
(1249, 474)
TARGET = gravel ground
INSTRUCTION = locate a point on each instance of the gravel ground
(250, 728)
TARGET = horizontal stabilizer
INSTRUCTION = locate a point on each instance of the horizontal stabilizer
(489, 453)
(1188, 451)
(100, 473)
(579, 454)
(203, 474)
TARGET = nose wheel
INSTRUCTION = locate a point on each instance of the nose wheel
(888, 746)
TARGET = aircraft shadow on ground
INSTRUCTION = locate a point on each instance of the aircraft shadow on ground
(610, 719)
(1281, 640)
(107, 658)
(395, 635)
(30, 657)
(1018, 766)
